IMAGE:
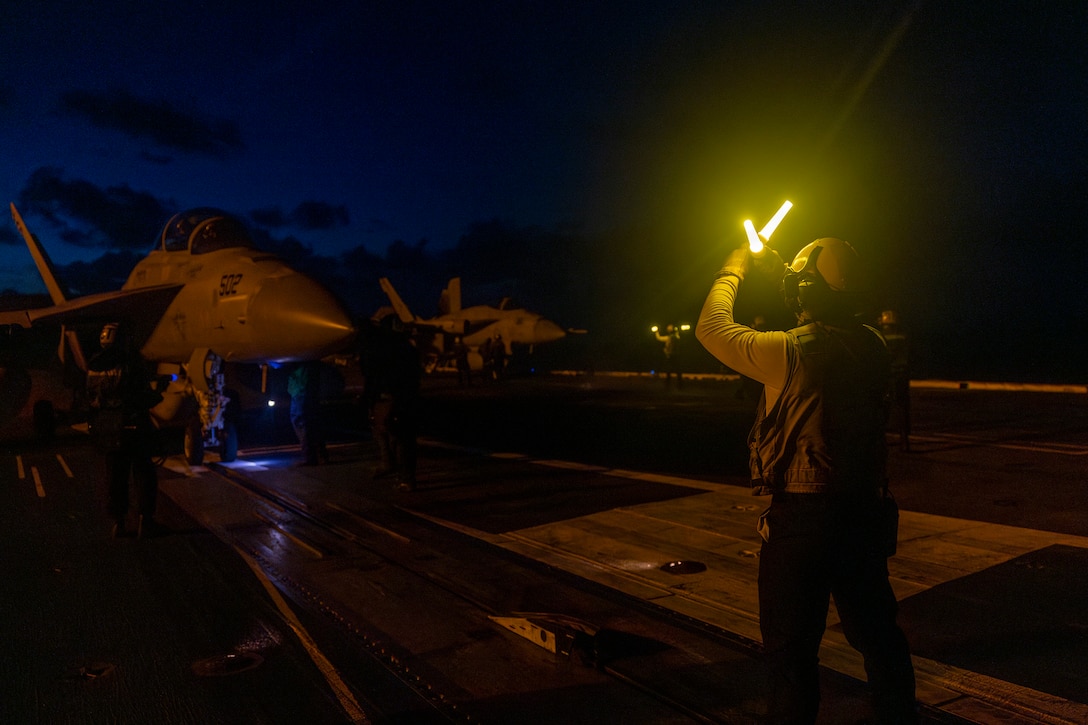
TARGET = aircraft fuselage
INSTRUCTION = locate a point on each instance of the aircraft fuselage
(243, 304)
(513, 326)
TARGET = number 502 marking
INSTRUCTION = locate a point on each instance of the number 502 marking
(228, 284)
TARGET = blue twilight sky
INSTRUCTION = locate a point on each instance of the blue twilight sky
(400, 120)
(945, 139)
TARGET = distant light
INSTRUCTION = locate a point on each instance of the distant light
(685, 327)
(779, 215)
(755, 244)
(271, 403)
(653, 329)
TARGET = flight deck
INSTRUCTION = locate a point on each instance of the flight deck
(578, 550)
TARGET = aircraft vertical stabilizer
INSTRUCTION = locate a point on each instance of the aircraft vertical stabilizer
(41, 259)
(402, 310)
(56, 293)
(449, 301)
(453, 289)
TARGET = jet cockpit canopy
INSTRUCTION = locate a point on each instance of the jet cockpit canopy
(204, 230)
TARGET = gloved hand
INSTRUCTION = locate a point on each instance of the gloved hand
(770, 265)
(736, 263)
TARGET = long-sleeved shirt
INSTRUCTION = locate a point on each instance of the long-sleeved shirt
(758, 355)
(821, 427)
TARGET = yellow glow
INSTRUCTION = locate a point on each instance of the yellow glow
(779, 215)
(653, 329)
(685, 327)
(755, 244)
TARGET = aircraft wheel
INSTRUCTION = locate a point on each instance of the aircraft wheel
(228, 448)
(194, 443)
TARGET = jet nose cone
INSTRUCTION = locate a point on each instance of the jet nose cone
(301, 318)
(548, 331)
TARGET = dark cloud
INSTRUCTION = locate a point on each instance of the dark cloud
(157, 159)
(319, 215)
(375, 225)
(87, 215)
(158, 121)
(401, 255)
(103, 274)
(359, 258)
(309, 216)
(290, 248)
(271, 217)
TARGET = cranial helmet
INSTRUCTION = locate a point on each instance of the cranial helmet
(824, 279)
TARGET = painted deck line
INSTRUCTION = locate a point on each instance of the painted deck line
(934, 384)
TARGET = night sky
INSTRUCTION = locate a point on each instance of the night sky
(605, 153)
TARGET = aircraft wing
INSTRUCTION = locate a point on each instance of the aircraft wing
(141, 308)
(20, 318)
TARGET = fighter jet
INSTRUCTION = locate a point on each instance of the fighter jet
(474, 325)
(204, 295)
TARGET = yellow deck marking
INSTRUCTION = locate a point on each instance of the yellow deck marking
(339, 688)
(67, 470)
(1068, 449)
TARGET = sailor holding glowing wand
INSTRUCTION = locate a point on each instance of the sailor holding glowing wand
(817, 448)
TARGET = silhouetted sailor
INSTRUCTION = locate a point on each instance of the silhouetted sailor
(392, 369)
(304, 387)
(120, 394)
(460, 356)
(669, 350)
(818, 448)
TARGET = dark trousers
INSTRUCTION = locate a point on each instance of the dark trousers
(819, 547)
(308, 429)
(130, 463)
(394, 428)
(670, 368)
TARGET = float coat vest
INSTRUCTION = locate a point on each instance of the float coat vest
(825, 432)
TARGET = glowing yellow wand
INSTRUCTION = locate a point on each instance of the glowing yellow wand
(756, 240)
